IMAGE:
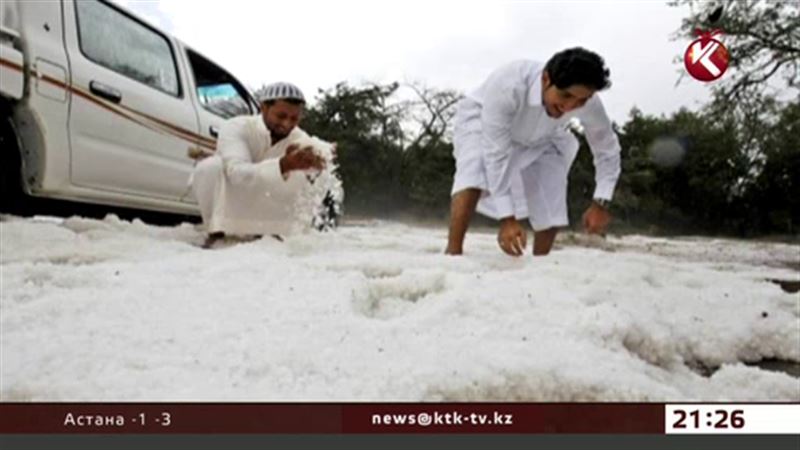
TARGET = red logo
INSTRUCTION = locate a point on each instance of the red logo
(706, 59)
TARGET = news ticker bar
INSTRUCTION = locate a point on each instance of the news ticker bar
(377, 418)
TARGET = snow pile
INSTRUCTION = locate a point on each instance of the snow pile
(319, 206)
(116, 311)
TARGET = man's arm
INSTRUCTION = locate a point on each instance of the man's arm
(605, 147)
(500, 105)
(233, 148)
(301, 154)
(297, 158)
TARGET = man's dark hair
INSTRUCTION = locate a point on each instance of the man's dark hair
(578, 66)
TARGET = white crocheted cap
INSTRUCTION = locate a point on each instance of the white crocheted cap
(281, 91)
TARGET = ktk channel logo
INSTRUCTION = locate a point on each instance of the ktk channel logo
(706, 59)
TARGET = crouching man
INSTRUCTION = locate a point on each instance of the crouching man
(250, 185)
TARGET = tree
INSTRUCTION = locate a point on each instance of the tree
(763, 38)
(395, 155)
(756, 100)
(776, 192)
(428, 164)
(367, 127)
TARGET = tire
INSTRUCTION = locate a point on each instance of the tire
(12, 197)
(14, 200)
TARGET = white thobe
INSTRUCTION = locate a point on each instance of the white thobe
(512, 129)
(240, 190)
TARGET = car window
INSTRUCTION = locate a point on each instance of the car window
(117, 41)
(222, 100)
(217, 91)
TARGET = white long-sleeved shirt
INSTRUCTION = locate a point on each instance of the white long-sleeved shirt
(240, 190)
(513, 115)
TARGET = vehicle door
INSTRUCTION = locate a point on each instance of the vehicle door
(217, 94)
(132, 120)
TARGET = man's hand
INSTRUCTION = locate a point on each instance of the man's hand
(297, 158)
(511, 237)
(596, 219)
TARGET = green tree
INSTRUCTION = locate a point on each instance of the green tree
(367, 128)
(763, 39)
(776, 191)
(428, 164)
(755, 101)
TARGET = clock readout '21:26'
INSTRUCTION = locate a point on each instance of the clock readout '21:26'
(717, 419)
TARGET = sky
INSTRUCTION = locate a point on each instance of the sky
(443, 44)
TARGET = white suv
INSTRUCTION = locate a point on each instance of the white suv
(97, 105)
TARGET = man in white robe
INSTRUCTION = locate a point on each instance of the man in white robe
(251, 183)
(513, 149)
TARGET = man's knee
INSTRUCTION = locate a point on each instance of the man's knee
(464, 202)
(467, 195)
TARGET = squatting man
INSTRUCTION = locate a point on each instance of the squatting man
(250, 185)
(513, 149)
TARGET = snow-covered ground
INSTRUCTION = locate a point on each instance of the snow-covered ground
(116, 311)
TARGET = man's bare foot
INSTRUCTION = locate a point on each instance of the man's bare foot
(212, 239)
(453, 252)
